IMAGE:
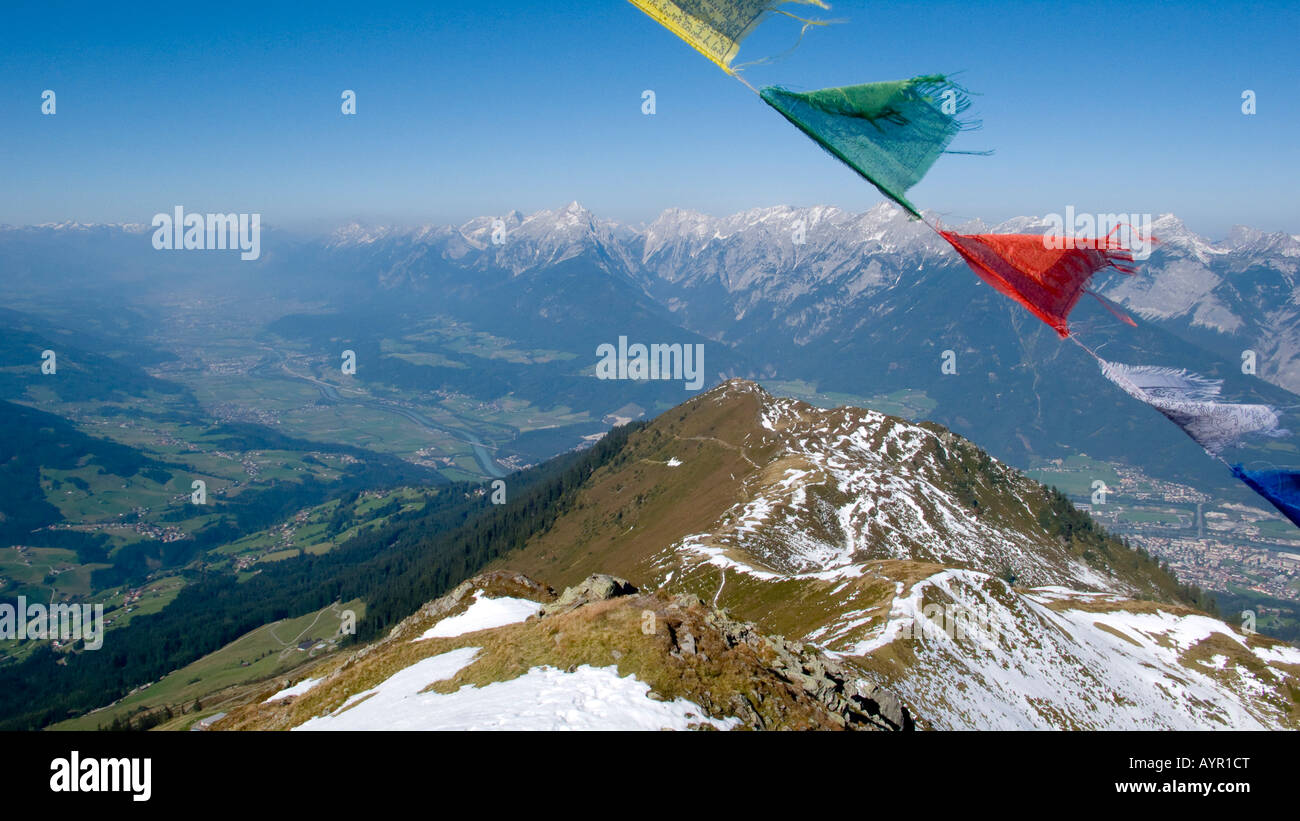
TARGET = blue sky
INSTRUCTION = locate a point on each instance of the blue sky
(477, 108)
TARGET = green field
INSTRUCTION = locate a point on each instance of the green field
(1076, 474)
(460, 337)
(1163, 516)
(310, 530)
(154, 596)
(260, 654)
(1278, 529)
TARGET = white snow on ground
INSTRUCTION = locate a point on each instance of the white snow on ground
(408, 681)
(1183, 632)
(903, 613)
(1055, 592)
(1038, 667)
(1278, 655)
(544, 698)
(296, 690)
(718, 557)
(483, 614)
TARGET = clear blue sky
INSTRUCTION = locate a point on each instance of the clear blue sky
(479, 107)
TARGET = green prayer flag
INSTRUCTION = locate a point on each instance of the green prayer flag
(890, 133)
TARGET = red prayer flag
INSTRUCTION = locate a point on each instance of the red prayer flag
(1045, 274)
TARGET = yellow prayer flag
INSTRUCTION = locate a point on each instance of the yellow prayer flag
(715, 28)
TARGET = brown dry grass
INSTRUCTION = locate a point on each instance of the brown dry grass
(723, 680)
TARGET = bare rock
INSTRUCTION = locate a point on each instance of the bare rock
(597, 587)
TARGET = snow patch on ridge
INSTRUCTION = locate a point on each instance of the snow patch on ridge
(296, 690)
(544, 698)
(483, 614)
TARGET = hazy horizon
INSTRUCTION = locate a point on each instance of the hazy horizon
(322, 227)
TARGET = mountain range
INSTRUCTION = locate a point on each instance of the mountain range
(867, 305)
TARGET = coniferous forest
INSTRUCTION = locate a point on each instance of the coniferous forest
(395, 569)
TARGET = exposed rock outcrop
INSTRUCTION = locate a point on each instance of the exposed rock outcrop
(597, 587)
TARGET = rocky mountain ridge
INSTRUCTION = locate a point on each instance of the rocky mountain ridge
(722, 672)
